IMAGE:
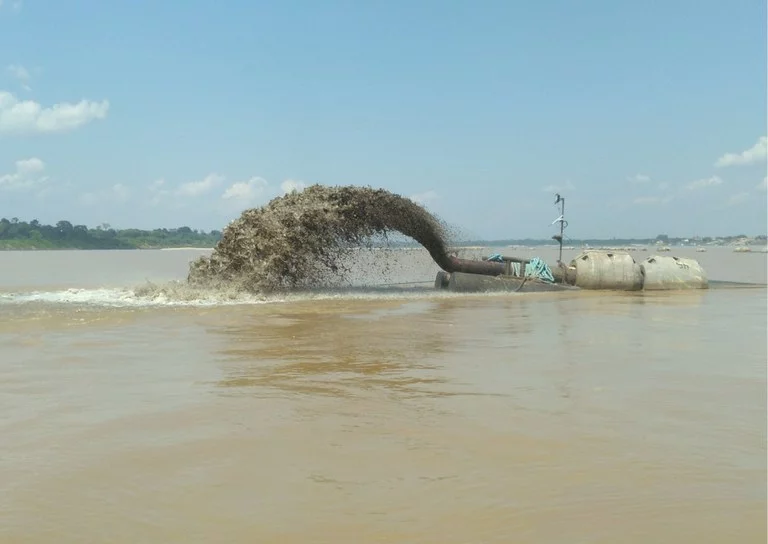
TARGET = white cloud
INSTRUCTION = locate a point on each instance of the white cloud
(28, 174)
(425, 197)
(157, 185)
(116, 193)
(567, 186)
(756, 153)
(157, 190)
(197, 188)
(738, 198)
(639, 178)
(181, 195)
(30, 166)
(703, 183)
(291, 185)
(653, 200)
(20, 74)
(644, 179)
(245, 191)
(668, 196)
(27, 116)
(763, 186)
(121, 191)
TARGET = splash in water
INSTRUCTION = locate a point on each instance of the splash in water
(301, 239)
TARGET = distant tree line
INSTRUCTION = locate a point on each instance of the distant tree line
(595, 242)
(15, 234)
(662, 239)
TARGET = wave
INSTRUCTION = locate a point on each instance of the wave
(169, 294)
(181, 294)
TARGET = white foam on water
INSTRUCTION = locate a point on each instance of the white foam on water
(177, 294)
(122, 298)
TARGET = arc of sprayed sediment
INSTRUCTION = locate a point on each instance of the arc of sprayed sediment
(288, 241)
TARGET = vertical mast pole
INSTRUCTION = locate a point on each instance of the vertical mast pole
(559, 237)
(562, 227)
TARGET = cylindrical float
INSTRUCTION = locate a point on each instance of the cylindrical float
(462, 282)
(607, 270)
(664, 273)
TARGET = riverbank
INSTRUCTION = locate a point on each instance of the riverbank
(45, 245)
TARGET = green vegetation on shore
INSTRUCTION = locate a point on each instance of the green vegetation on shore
(15, 234)
(738, 240)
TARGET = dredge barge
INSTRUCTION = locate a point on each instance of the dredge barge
(593, 269)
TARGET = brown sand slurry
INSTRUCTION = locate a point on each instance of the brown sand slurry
(300, 239)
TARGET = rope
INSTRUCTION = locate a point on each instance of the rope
(536, 268)
(539, 269)
(519, 287)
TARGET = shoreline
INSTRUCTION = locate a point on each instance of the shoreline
(105, 248)
(757, 248)
(185, 248)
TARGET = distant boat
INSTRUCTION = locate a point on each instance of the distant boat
(742, 249)
(701, 250)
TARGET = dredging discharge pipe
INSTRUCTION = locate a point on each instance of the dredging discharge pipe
(485, 268)
(453, 264)
(465, 275)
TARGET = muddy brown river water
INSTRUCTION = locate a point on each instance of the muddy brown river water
(386, 414)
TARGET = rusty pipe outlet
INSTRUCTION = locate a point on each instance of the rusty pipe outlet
(485, 268)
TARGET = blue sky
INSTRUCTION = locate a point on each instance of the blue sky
(650, 117)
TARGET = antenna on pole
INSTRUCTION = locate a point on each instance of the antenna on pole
(563, 223)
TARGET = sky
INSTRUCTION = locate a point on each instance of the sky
(648, 117)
